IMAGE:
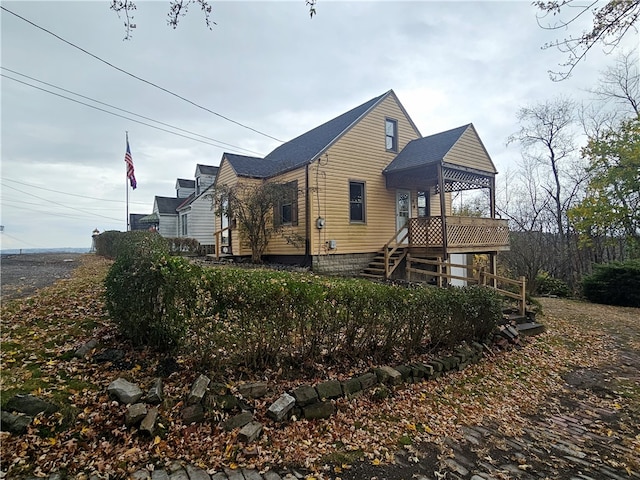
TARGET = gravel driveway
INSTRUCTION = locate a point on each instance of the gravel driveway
(21, 275)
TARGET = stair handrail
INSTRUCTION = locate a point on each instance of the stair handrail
(218, 239)
(389, 250)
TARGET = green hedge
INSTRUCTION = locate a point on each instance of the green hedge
(148, 291)
(614, 284)
(262, 318)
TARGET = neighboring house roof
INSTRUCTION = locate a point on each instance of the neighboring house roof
(191, 198)
(153, 218)
(184, 183)
(206, 170)
(245, 166)
(134, 221)
(304, 148)
(426, 150)
(168, 205)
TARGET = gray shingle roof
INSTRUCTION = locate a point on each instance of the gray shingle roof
(206, 169)
(245, 166)
(168, 205)
(185, 183)
(303, 149)
(426, 150)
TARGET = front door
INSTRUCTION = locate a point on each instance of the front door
(403, 212)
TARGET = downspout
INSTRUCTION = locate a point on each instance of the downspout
(443, 212)
(307, 221)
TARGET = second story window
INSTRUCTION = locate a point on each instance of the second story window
(391, 134)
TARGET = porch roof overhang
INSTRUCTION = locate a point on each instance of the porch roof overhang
(455, 177)
(150, 219)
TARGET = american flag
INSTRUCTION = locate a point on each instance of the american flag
(129, 161)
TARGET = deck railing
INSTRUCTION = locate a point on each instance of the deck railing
(441, 272)
(462, 232)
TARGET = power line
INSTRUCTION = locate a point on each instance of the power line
(53, 214)
(67, 193)
(4, 234)
(127, 111)
(110, 113)
(139, 78)
(58, 203)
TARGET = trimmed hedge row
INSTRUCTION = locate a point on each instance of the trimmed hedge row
(614, 284)
(262, 318)
(110, 243)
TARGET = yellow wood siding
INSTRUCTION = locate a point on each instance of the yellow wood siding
(227, 176)
(469, 152)
(360, 155)
(278, 245)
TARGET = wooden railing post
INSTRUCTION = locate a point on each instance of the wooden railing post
(523, 295)
(439, 268)
(408, 267)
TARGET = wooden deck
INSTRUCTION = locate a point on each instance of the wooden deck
(464, 234)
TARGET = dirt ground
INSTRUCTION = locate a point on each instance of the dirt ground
(21, 275)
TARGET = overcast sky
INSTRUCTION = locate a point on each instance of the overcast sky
(265, 65)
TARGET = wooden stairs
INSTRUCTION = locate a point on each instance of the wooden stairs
(526, 324)
(376, 269)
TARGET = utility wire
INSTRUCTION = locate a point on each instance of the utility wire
(58, 203)
(53, 214)
(110, 113)
(67, 193)
(129, 112)
(139, 78)
(4, 234)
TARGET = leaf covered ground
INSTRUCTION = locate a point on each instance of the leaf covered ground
(40, 333)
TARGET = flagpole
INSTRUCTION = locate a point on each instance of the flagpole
(126, 185)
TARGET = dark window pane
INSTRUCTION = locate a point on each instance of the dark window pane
(356, 202)
(286, 213)
(356, 212)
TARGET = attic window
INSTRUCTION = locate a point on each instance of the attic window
(391, 134)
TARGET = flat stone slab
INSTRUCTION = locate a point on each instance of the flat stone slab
(351, 387)
(329, 390)
(135, 414)
(193, 413)
(305, 395)
(253, 389)
(250, 432)
(198, 390)
(318, 410)
(125, 391)
(16, 424)
(85, 349)
(155, 394)
(148, 424)
(281, 407)
(30, 405)
(237, 421)
(196, 473)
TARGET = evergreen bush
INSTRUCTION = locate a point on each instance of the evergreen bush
(150, 295)
(548, 285)
(614, 284)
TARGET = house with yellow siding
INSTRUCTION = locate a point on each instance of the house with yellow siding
(370, 189)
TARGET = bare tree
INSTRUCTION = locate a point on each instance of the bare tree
(620, 84)
(177, 10)
(547, 138)
(611, 23)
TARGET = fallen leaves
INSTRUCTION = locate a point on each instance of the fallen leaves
(38, 333)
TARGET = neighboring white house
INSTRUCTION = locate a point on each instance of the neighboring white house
(189, 214)
(185, 188)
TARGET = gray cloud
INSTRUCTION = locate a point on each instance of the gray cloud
(265, 64)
